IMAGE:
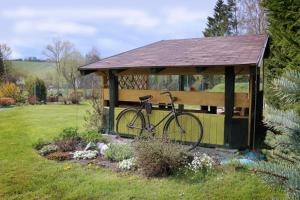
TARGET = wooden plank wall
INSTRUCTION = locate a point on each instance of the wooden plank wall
(213, 125)
(183, 97)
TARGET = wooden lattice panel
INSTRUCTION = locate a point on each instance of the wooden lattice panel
(133, 82)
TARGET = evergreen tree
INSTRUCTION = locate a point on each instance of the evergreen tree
(36, 87)
(283, 142)
(283, 17)
(218, 25)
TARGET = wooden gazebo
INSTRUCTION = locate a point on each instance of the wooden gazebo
(125, 79)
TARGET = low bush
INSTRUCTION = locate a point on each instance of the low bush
(6, 101)
(118, 152)
(67, 144)
(9, 90)
(89, 154)
(158, 156)
(38, 145)
(45, 150)
(60, 156)
(91, 136)
(32, 100)
(69, 133)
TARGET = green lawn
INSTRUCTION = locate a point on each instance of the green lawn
(26, 175)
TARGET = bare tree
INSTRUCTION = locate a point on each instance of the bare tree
(5, 52)
(70, 71)
(251, 17)
(92, 56)
(58, 52)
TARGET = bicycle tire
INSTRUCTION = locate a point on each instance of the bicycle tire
(191, 137)
(125, 117)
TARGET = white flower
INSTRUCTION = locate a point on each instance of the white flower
(128, 164)
(89, 154)
(201, 162)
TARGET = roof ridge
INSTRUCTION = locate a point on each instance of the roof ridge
(214, 37)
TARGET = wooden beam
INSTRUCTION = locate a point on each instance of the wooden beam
(113, 98)
(183, 97)
(229, 104)
(156, 70)
(200, 69)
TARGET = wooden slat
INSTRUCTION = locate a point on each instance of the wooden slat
(183, 97)
(213, 126)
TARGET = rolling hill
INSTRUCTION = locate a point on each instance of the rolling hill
(39, 69)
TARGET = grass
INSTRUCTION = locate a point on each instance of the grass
(39, 69)
(239, 87)
(26, 175)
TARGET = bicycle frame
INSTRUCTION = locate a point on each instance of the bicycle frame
(148, 126)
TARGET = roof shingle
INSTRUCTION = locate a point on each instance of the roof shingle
(211, 51)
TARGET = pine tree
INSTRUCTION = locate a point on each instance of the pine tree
(218, 25)
(283, 142)
(283, 18)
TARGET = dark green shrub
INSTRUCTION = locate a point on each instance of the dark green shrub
(60, 156)
(118, 152)
(40, 143)
(68, 144)
(69, 133)
(158, 156)
(91, 136)
(36, 87)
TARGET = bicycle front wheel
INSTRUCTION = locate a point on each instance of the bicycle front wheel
(130, 122)
(185, 129)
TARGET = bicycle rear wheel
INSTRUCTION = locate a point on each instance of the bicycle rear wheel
(130, 122)
(190, 133)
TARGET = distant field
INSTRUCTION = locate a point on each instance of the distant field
(39, 69)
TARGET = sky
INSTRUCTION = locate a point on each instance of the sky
(112, 26)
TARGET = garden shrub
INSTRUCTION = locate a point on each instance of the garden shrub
(91, 136)
(36, 87)
(158, 156)
(6, 101)
(118, 152)
(69, 133)
(38, 145)
(45, 150)
(67, 144)
(9, 90)
(60, 156)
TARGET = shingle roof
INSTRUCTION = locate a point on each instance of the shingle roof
(211, 51)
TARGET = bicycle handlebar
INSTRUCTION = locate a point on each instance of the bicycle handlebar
(170, 95)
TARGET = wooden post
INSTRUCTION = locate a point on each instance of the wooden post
(113, 99)
(253, 112)
(229, 103)
(181, 88)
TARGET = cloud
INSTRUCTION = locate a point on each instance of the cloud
(181, 15)
(53, 26)
(132, 17)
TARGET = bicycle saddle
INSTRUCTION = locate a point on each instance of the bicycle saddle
(144, 98)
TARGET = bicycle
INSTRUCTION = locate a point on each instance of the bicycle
(188, 126)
